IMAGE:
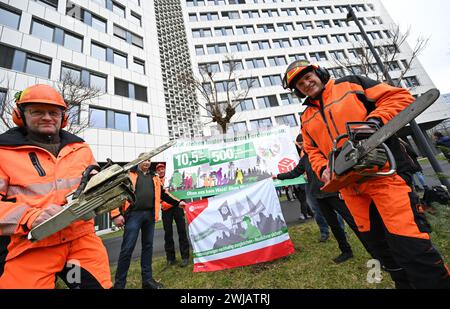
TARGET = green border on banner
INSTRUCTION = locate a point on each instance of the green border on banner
(203, 192)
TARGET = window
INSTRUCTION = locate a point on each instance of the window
(128, 36)
(69, 72)
(209, 16)
(265, 28)
(338, 38)
(260, 123)
(9, 17)
(98, 52)
(285, 27)
(337, 72)
(230, 15)
(118, 9)
(143, 124)
(43, 31)
(239, 47)
(337, 54)
(287, 99)
(281, 43)
(217, 49)
(323, 24)
(102, 118)
(244, 30)
(272, 80)
(130, 90)
(120, 32)
(250, 14)
(212, 67)
(225, 85)
(199, 50)
(245, 105)
(277, 61)
(269, 13)
(260, 45)
(268, 101)
(288, 12)
(295, 57)
(120, 59)
(223, 31)
(97, 82)
(38, 65)
(73, 42)
(318, 56)
(321, 39)
(303, 41)
(24, 62)
(193, 17)
(237, 127)
(139, 65)
(136, 18)
(201, 33)
(307, 11)
(255, 63)
(288, 120)
(98, 23)
(50, 3)
(235, 65)
(411, 81)
(251, 82)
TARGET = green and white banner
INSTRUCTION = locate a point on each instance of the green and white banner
(214, 165)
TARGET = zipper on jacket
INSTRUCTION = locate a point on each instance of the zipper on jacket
(322, 113)
(37, 165)
(334, 123)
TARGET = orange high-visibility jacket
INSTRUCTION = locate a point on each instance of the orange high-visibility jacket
(352, 98)
(31, 178)
(165, 205)
(157, 184)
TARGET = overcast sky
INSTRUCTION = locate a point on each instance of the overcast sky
(427, 18)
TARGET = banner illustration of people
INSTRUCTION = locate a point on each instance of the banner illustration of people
(214, 165)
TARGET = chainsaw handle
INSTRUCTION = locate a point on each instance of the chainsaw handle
(392, 164)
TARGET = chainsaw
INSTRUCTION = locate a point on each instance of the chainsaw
(364, 155)
(96, 194)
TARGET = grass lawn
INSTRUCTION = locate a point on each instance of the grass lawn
(309, 267)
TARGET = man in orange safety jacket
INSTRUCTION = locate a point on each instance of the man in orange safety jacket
(384, 208)
(39, 165)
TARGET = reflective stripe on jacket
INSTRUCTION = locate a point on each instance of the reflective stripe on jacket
(352, 98)
(31, 178)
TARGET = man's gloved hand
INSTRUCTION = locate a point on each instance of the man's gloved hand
(46, 213)
(182, 204)
(326, 175)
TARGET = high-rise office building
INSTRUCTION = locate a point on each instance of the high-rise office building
(264, 36)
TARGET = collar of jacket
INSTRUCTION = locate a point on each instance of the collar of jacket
(16, 137)
(324, 95)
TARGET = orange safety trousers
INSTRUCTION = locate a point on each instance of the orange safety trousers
(80, 263)
(385, 213)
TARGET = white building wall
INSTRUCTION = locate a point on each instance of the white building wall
(120, 146)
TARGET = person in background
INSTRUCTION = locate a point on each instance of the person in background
(171, 213)
(140, 216)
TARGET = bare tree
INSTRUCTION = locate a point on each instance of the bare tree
(363, 62)
(219, 97)
(75, 93)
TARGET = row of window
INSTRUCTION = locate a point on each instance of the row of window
(57, 35)
(119, 9)
(328, 9)
(38, 65)
(272, 28)
(241, 127)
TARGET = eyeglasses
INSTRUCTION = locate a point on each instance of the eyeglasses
(41, 113)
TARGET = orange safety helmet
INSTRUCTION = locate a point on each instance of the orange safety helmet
(299, 68)
(39, 93)
(160, 165)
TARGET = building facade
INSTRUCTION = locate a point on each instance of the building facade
(264, 36)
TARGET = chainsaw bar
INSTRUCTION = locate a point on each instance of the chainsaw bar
(395, 124)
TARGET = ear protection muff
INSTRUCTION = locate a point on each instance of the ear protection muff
(19, 118)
